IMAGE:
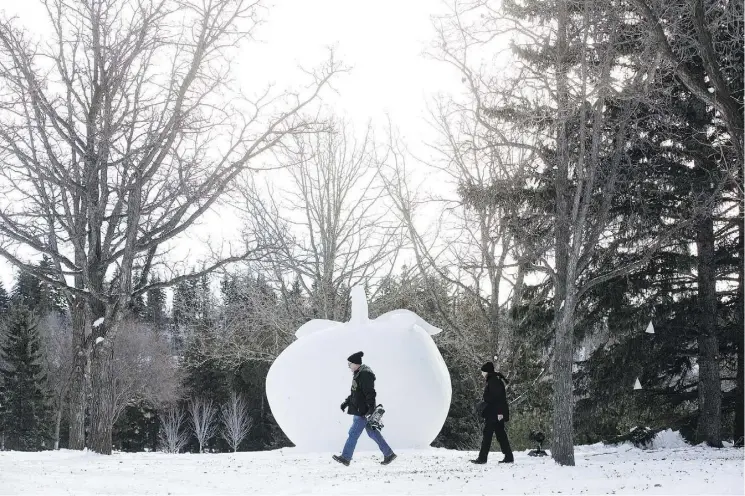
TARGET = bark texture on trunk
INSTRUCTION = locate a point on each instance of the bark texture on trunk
(102, 405)
(562, 449)
(57, 423)
(739, 404)
(78, 385)
(709, 384)
(562, 446)
(740, 337)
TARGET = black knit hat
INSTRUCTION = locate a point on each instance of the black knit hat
(487, 367)
(356, 358)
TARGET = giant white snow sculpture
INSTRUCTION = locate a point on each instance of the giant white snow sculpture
(308, 381)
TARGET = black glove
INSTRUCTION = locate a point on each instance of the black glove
(344, 406)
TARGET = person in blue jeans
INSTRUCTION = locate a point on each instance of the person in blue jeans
(361, 404)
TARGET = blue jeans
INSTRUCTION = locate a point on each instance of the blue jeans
(358, 425)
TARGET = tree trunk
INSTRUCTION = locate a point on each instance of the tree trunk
(495, 326)
(78, 386)
(58, 422)
(709, 387)
(517, 295)
(102, 400)
(562, 447)
(739, 404)
(740, 337)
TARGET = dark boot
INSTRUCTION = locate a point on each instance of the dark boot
(489, 427)
(341, 460)
(388, 459)
(479, 461)
(504, 443)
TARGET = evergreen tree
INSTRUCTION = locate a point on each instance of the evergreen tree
(4, 301)
(36, 295)
(155, 307)
(680, 167)
(184, 313)
(136, 429)
(186, 303)
(229, 290)
(25, 419)
(137, 304)
(205, 301)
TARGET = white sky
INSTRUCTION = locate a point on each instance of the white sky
(382, 40)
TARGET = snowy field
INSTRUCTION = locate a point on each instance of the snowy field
(600, 470)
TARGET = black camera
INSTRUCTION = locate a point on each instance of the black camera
(537, 437)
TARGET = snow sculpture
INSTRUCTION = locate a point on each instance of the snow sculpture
(308, 381)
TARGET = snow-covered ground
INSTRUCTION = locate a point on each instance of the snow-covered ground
(599, 470)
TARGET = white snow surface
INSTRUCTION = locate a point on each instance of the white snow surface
(99, 340)
(669, 439)
(599, 470)
(310, 379)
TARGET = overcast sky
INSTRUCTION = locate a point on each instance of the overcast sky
(382, 40)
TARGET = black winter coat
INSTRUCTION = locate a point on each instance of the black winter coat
(362, 399)
(495, 399)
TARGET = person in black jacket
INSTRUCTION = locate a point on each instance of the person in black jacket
(361, 404)
(496, 412)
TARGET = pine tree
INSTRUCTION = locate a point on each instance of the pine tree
(185, 303)
(137, 305)
(27, 290)
(678, 158)
(205, 301)
(4, 301)
(136, 429)
(184, 313)
(36, 295)
(155, 307)
(229, 290)
(25, 417)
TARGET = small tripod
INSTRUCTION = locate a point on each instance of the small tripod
(537, 437)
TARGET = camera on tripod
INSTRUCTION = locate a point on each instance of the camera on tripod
(537, 437)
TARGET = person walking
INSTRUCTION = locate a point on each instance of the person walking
(361, 404)
(496, 411)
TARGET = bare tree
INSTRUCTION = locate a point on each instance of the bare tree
(117, 135)
(172, 436)
(329, 218)
(474, 245)
(140, 367)
(236, 423)
(203, 420)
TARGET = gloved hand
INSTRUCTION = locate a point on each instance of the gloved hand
(344, 406)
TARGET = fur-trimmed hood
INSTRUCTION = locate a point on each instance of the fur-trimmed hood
(365, 368)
